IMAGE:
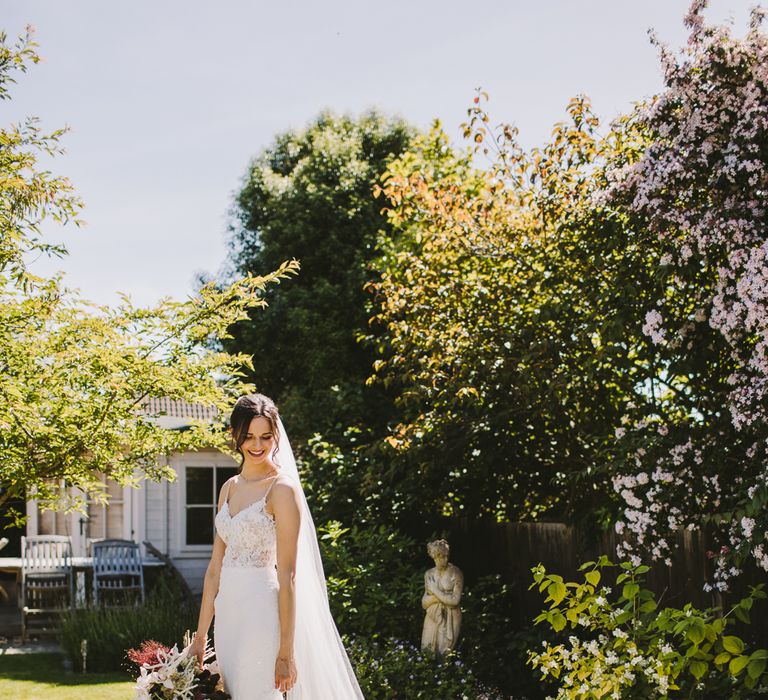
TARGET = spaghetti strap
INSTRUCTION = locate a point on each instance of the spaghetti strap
(226, 495)
(270, 486)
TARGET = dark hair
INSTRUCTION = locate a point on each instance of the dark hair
(246, 409)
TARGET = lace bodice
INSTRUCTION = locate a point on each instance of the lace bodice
(250, 535)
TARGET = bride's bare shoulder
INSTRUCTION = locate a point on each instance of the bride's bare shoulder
(284, 492)
(284, 482)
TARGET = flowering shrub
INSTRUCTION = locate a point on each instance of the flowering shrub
(695, 183)
(166, 673)
(626, 647)
(394, 669)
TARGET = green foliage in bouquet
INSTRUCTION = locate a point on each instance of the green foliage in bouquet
(627, 647)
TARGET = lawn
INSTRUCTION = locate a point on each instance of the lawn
(41, 677)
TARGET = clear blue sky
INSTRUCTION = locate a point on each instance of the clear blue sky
(168, 100)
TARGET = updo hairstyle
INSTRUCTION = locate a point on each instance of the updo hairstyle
(246, 409)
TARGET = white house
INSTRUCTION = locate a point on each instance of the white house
(177, 517)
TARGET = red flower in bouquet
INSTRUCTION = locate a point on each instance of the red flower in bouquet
(147, 652)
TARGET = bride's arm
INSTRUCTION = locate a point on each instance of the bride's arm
(287, 510)
(211, 580)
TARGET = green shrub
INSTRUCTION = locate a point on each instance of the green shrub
(625, 647)
(392, 669)
(491, 640)
(109, 632)
(374, 580)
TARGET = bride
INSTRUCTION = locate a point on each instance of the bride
(265, 584)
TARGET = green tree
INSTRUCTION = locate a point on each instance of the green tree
(309, 195)
(512, 311)
(582, 327)
(28, 195)
(76, 376)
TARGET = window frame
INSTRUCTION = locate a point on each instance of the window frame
(103, 511)
(212, 461)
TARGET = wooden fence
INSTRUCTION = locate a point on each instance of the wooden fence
(512, 549)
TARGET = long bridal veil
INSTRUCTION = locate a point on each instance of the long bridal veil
(323, 667)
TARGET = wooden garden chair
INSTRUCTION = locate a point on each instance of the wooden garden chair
(118, 575)
(47, 582)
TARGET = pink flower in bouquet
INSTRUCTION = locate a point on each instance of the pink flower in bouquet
(147, 652)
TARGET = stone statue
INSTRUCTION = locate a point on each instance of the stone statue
(443, 586)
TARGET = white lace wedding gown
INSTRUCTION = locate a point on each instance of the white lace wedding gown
(246, 632)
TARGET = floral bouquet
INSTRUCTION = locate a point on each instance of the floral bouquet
(169, 674)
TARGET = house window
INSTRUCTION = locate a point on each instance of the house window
(106, 520)
(203, 485)
(53, 522)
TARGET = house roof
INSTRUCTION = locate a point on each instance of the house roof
(176, 413)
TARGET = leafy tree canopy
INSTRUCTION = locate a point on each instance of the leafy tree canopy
(580, 329)
(309, 194)
(509, 310)
(76, 376)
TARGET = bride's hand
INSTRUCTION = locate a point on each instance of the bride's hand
(197, 648)
(285, 673)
